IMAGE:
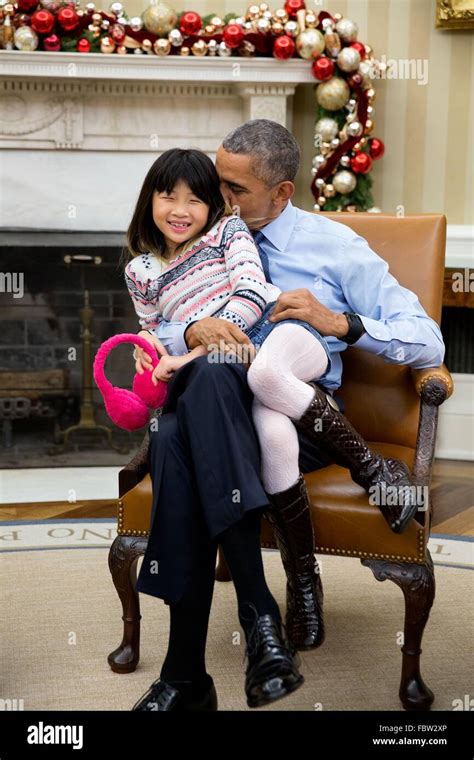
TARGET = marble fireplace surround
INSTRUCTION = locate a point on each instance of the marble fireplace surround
(79, 132)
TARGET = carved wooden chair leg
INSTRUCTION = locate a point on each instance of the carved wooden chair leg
(123, 558)
(222, 569)
(418, 585)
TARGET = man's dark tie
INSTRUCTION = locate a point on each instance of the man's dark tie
(258, 236)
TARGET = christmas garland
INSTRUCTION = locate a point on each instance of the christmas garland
(342, 66)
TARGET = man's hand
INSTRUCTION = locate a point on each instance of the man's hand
(301, 304)
(143, 360)
(218, 334)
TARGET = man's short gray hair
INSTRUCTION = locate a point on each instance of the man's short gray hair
(274, 149)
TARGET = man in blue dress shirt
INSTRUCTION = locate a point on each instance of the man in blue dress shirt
(332, 279)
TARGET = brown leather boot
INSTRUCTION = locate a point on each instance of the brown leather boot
(325, 424)
(290, 516)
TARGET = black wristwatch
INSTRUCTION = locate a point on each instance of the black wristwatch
(356, 328)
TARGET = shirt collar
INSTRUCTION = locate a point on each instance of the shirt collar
(278, 231)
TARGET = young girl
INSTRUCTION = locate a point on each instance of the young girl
(192, 259)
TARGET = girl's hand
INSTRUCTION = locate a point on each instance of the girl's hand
(166, 368)
(143, 360)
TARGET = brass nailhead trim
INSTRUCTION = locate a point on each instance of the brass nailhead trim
(420, 559)
(120, 524)
(325, 549)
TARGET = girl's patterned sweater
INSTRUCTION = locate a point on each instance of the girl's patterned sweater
(221, 275)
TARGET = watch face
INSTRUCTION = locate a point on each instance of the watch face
(332, 402)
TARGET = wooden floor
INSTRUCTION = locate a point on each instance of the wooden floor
(452, 492)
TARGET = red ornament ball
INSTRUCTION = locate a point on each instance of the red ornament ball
(67, 18)
(52, 43)
(233, 35)
(27, 5)
(293, 6)
(83, 45)
(377, 148)
(190, 23)
(322, 68)
(42, 21)
(283, 47)
(361, 163)
(360, 49)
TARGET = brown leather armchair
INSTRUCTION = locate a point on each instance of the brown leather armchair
(395, 409)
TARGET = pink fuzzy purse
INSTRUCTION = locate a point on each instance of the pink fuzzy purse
(129, 409)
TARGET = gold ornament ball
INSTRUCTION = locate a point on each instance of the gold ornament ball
(347, 30)
(277, 28)
(147, 46)
(136, 23)
(310, 20)
(329, 191)
(159, 18)
(185, 50)
(223, 50)
(344, 182)
(263, 25)
(209, 29)
(162, 47)
(369, 126)
(253, 12)
(321, 200)
(310, 43)
(96, 19)
(175, 37)
(334, 94)
(199, 48)
(217, 22)
(264, 7)
(122, 50)
(281, 15)
(107, 45)
(348, 59)
(354, 128)
(326, 128)
(292, 28)
(25, 38)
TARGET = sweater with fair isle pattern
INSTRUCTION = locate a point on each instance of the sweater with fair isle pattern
(221, 275)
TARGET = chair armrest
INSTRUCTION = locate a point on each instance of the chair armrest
(136, 469)
(134, 472)
(434, 384)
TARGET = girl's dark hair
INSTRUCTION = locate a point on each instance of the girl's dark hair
(193, 167)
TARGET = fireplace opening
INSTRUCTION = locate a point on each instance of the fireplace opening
(63, 294)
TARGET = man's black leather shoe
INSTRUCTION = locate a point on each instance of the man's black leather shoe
(163, 695)
(272, 670)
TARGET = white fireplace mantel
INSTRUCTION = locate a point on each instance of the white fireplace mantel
(152, 68)
(84, 128)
